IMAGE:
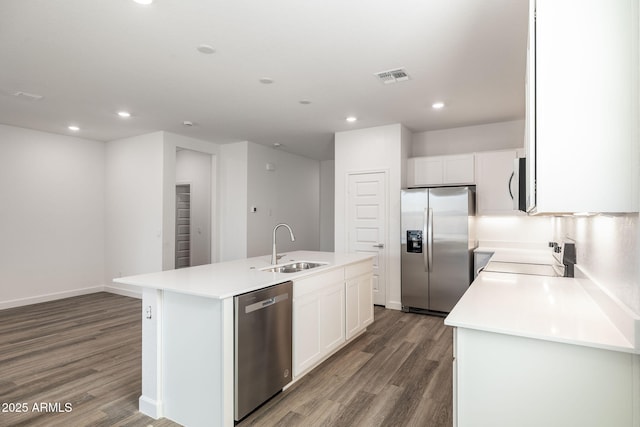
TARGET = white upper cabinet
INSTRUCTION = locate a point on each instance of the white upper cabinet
(440, 170)
(495, 183)
(582, 106)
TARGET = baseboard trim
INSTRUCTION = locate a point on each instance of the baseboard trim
(150, 407)
(394, 305)
(121, 290)
(49, 297)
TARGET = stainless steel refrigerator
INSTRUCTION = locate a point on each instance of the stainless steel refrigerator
(437, 247)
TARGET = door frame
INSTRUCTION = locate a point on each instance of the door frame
(387, 217)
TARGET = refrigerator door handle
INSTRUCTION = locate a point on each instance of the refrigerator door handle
(430, 240)
(425, 239)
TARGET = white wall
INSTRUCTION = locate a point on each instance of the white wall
(134, 206)
(194, 168)
(374, 149)
(608, 250)
(469, 139)
(290, 193)
(327, 204)
(534, 232)
(232, 209)
(51, 216)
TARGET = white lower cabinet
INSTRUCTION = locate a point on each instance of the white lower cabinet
(306, 332)
(328, 309)
(503, 381)
(332, 318)
(359, 300)
(318, 318)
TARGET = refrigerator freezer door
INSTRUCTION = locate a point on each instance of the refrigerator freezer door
(415, 278)
(451, 270)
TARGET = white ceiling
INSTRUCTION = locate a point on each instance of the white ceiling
(91, 58)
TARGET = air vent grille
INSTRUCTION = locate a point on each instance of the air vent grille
(393, 76)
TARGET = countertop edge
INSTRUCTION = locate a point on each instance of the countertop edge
(144, 281)
(591, 344)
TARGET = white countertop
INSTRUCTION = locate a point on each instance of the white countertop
(230, 278)
(549, 308)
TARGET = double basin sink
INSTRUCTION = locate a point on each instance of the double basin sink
(294, 267)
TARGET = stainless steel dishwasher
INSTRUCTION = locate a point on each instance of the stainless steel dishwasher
(262, 346)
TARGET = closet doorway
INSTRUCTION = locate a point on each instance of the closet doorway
(193, 208)
(183, 225)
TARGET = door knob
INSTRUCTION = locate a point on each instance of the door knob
(379, 245)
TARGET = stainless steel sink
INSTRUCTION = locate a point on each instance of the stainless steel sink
(294, 267)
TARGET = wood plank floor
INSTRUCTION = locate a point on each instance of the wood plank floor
(399, 373)
(85, 351)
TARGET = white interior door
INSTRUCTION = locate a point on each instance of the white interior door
(367, 224)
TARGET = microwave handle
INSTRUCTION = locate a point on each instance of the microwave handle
(510, 181)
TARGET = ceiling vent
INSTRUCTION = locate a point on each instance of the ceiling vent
(393, 76)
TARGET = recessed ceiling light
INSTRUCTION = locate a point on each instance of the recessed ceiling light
(304, 102)
(124, 114)
(437, 105)
(266, 80)
(351, 119)
(206, 49)
(187, 123)
(73, 128)
(144, 2)
(276, 144)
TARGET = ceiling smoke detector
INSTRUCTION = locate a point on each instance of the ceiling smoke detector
(393, 76)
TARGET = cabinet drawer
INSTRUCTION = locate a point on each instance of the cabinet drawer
(358, 269)
(317, 282)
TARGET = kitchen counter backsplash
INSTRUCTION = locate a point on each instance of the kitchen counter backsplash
(607, 250)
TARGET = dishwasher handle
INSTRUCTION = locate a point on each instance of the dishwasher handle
(265, 303)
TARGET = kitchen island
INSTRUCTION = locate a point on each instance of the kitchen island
(534, 350)
(188, 326)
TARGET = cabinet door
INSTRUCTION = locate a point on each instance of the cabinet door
(494, 184)
(352, 308)
(425, 171)
(458, 169)
(307, 349)
(359, 304)
(365, 300)
(332, 318)
(440, 170)
(506, 380)
(586, 106)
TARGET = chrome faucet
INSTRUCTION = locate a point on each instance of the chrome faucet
(274, 253)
